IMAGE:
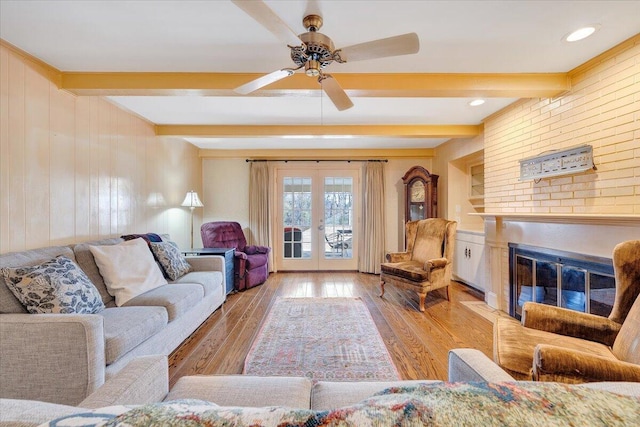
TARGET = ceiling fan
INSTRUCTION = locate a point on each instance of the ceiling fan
(314, 51)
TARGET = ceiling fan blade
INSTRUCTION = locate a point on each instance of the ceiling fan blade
(404, 44)
(337, 95)
(258, 10)
(263, 81)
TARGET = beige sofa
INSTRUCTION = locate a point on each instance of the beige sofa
(144, 380)
(63, 358)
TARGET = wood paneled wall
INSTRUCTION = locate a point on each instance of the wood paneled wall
(603, 110)
(79, 168)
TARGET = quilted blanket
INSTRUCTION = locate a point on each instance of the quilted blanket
(448, 404)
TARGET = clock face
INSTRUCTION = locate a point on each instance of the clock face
(417, 191)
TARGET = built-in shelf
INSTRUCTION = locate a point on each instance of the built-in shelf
(476, 186)
(477, 201)
(476, 180)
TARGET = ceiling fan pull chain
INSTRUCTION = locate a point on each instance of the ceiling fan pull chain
(320, 79)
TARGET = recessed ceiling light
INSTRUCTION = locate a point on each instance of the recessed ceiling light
(581, 33)
(476, 102)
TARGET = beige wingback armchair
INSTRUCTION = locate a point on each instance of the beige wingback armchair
(427, 263)
(557, 344)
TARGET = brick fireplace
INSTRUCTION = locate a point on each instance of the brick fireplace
(570, 237)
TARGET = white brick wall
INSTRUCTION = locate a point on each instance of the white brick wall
(602, 110)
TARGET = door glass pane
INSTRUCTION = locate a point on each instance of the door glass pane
(296, 214)
(524, 282)
(573, 288)
(602, 293)
(338, 217)
(416, 204)
(547, 282)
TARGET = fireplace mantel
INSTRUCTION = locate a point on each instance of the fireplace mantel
(599, 219)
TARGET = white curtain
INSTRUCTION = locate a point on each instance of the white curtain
(259, 207)
(373, 219)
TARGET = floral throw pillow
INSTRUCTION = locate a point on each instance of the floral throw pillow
(168, 255)
(56, 286)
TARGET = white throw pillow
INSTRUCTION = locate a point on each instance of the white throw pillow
(128, 269)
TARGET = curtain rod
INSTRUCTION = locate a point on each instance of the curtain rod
(313, 160)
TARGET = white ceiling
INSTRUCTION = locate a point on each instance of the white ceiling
(216, 36)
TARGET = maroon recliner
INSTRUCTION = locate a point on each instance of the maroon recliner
(251, 262)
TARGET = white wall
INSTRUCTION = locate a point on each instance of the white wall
(225, 187)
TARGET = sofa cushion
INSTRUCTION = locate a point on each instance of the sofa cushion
(172, 261)
(211, 281)
(619, 387)
(244, 390)
(256, 261)
(55, 286)
(8, 302)
(87, 263)
(410, 270)
(128, 269)
(429, 239)
(176, 299)
(17, 412)
(326, 395)
(513, 346)
(127, 327)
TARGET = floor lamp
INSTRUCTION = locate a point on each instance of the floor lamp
(192, 201)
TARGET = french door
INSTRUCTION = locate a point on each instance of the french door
(317, 219)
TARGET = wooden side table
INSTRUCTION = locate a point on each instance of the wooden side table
(227, 253)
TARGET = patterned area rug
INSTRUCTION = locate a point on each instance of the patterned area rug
(321, 338)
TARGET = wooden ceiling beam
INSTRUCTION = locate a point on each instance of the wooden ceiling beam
(333, 154)
(266, 131)
(525, 85)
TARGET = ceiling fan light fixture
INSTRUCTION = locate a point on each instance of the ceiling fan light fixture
(312, 68)
(581, 33)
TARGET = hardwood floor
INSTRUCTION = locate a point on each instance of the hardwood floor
(418, 342)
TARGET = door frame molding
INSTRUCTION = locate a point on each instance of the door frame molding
(283, 167)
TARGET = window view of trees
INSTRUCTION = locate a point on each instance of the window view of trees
(337, 221)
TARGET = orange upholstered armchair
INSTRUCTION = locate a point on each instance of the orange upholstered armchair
(557, 344)
(427, 263)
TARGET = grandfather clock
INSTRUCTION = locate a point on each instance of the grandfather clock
(420, 193)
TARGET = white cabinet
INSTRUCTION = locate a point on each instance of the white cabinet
(468, 261)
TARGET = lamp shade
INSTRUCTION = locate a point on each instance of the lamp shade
(192, 200)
